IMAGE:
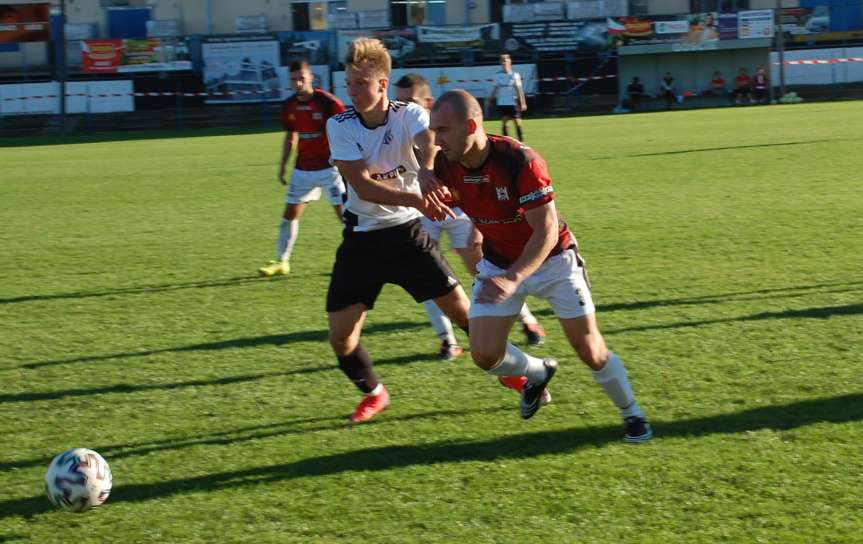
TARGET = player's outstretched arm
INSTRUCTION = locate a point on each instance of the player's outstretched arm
(424, 142)
(357, 174)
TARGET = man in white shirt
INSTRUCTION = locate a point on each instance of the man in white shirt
(372, 144)
(511, 101)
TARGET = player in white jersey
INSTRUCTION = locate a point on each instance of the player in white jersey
(372, 146)
(465, 240)
(508, 90)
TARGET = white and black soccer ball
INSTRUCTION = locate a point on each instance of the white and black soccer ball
(78, 480)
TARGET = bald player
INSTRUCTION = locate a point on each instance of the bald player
(464, 238)
(505, 188)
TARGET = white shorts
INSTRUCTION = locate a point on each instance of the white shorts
(560, 280)
(306, 186)
(460, 229)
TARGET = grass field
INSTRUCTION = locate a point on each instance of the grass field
(726, 254)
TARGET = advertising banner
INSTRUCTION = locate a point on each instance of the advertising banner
(149, 55)
(242, 71)
(805, 21)
(417, 45)
(25, 23)
(557, 36)
(101, 55)
(477, 80)
(755, 24)
(727, 26)
(704, 27)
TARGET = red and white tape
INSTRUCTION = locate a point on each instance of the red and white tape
(822, 61)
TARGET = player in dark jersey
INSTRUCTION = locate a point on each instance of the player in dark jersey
(304, 118)
(528, 249)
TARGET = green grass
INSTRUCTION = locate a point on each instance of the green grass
(725, 252)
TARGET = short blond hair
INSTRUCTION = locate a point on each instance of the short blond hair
(369, 53)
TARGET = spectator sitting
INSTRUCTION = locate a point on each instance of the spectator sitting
(742, 86)
(717, 84)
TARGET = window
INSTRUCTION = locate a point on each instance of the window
(722, 6)
(640, 8)
(418, 12)
(310, 15)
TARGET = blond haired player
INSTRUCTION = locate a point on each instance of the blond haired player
(372, 144)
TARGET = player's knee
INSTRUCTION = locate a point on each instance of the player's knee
(342, 344)
(593, 353)
(485, 357)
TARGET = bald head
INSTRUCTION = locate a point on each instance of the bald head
(462, 104)
(456, 120)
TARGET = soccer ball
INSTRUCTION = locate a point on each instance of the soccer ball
(78, 480)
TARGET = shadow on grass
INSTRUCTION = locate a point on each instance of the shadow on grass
(841, 409)
(759, 294)
(226, 282)
(96, 137)
(723, 148)
(241, 343)
(823, 312)
(245, 434)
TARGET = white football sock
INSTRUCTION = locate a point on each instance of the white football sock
(440, 323)
(615, 382)
(287, 237)
(518, 363)
(525, 315)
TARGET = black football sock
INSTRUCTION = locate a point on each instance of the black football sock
(358, 368)
(518, 130)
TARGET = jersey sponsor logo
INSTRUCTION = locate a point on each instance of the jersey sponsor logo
(392, 174)
(388, 136)
(535, 195)
(309, 135)
(476, 180)
(487, 221)
(502, 193)
(304, 108)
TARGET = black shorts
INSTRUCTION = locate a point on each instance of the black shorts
(508, 111)
(404, 255)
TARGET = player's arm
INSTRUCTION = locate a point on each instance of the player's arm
(287, 146)
(357, 174)
(543, 220)
(522, 101)
(424, 141)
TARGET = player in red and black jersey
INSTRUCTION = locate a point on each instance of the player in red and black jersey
(304, 118)
(505, 188)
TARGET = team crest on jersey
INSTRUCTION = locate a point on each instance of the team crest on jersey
(476, 180)
(388, 136)
(502, 193)
(291, 116)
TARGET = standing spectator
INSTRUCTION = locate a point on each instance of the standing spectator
(760, 84)
(666, 90)
(742, 86)
(635, 93)
(511, 101)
